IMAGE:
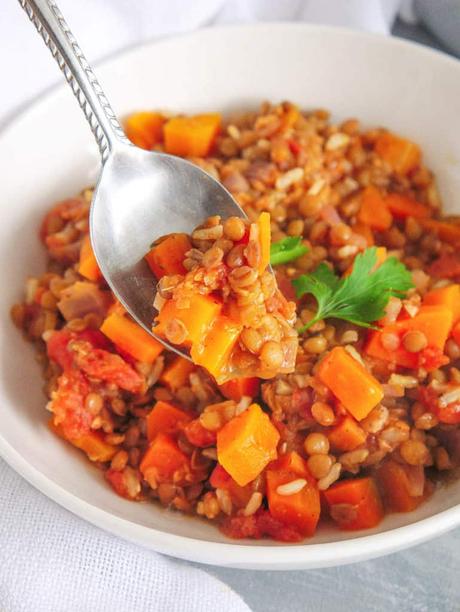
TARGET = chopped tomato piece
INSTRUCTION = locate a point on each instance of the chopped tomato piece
(240, 387)
(68, 404)
(449, 413)
(57, 345)
(446, 266)
(199, 436)
(259, 525)
(219, 478)
(108, 367)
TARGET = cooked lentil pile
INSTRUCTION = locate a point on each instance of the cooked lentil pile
(224, 304)
(369, 417)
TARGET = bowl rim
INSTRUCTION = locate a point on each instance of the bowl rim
(268, 556)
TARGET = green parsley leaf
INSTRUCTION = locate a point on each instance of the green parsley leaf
(286, 250)
(359, 298)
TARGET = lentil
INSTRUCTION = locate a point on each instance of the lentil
(316, 444)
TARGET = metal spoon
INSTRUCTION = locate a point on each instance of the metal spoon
(140, 195)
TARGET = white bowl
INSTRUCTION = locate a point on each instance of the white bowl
(47, 153)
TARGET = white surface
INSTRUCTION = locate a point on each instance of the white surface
(48, 153)
(105, 26)
(52, 563)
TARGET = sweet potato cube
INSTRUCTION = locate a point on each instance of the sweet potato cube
(350, 382)
(191, 136)
(246, 444)
(197, 318)
(131, 338)
(167, 256)
(214, 350)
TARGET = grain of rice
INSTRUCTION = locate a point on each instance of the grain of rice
(449, 397)
(289, 178)
(354, 353)
(327, 481)
(337, 141)
(292, 487)
(210, 453)
(254, 503)
(225, 502)
(408, 382)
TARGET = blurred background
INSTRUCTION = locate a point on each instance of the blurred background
(104, 27)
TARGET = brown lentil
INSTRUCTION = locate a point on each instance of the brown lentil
(323, 413)
(316, 444)
(415, 341)
(234, 228)
(319, 465)
(271, 355)
(315, 344)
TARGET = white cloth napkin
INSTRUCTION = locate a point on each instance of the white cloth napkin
(51, 560)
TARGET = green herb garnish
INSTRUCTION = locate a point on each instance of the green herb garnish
(359, 298)
(286, 250)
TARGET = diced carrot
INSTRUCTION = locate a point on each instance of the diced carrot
(402, 207)
(263, 224)
(130, 337)
(167, 256)
(364, 231)
(346, 435)
(394, 483)
(176, 374)
(165, 457)
(300, 510)
(92, 443)
(246, 444)
(165, 418)
(197, 318)
(238, 387)
(191, 136)
(145, 129)
(374, 210)
(214, 350)
(381, 255)
(435, 322)
(449, 232)
(348, 380)
(87, 266)
(402, 155)
(355, 503)
(445, 296)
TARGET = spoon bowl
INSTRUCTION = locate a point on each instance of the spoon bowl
(140, 195)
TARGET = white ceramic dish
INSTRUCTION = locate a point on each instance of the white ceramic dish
(47, 153)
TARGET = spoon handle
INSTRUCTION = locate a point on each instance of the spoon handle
(47, 18)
